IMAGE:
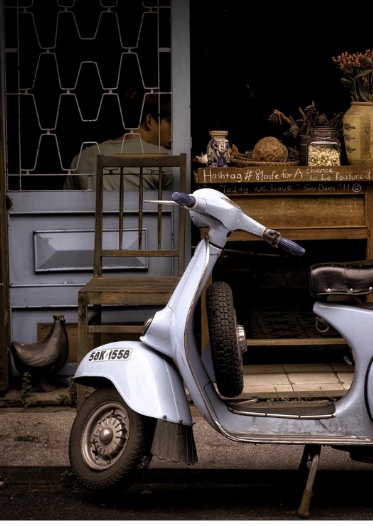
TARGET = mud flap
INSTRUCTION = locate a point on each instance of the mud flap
(174, 443)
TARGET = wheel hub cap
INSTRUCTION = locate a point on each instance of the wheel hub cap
(241, 338)
(106, 435)
(109, 437)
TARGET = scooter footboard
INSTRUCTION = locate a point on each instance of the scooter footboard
(148, 382)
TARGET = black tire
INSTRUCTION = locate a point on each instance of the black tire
(226, 346)
(109, 442)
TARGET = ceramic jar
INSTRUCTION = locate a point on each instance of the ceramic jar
(323, 147)
(358, 133)
(218, 149)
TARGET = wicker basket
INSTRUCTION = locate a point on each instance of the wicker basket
(240, 160)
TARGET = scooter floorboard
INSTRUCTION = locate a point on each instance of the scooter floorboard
(301, 409)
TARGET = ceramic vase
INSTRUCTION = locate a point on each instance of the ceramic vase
(218, 149)
(358, 133)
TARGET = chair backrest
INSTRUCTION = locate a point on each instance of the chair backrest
(131, 233)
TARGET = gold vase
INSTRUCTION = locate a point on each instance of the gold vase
(358, 133)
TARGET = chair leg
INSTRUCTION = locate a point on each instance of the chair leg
(82, 326)
(96, 318)
(82, 342)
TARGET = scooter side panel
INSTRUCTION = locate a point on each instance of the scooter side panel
(369, 390)
(355, 324)
(147, 382)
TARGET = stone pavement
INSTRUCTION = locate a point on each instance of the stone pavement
(37, 435)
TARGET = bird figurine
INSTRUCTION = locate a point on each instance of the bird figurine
(202, 159)
(44, 358)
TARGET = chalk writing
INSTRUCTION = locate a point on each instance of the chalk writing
(268, 174)
(280, 188)
(272, 188)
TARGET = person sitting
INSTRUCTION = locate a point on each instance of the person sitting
(152, 136)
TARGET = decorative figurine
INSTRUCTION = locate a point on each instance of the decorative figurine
(44, 358)
(218, 149)
(202, 159)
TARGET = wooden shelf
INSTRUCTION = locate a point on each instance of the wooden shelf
(302, 203)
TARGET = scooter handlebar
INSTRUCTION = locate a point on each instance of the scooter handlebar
(189, 201)
(291, 246)
(182, 199)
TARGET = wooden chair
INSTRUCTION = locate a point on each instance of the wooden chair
(139, 250)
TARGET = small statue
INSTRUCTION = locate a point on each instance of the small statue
(218, 149)
(202, 159)
(44, 358)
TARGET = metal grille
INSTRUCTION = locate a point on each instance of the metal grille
(68, 64)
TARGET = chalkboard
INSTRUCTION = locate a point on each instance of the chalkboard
(342, 175)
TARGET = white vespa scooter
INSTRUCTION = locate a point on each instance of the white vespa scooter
(139, 407)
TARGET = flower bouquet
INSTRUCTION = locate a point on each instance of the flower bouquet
(357, 69)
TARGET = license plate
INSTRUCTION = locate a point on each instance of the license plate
(109, 354)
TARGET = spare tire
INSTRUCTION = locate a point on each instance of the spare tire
(227, 339)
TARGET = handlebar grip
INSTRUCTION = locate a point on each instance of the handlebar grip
(291, 246)
(182, 199)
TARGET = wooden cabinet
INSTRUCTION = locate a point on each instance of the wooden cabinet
(303, 203)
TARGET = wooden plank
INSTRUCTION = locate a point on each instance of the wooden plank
(309, 234)
(111, 298)
(344, 175)
(112, 328)
(327, 211)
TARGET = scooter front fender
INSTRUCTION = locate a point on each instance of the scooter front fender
(148, 382)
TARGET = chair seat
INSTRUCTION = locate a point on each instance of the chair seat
(129, 290)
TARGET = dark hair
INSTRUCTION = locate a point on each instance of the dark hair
(154, 103)
(157, 105)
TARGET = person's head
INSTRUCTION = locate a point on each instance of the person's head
(155, 112)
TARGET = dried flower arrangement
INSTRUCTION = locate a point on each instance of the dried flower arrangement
(358, 71)
(270, 150)
(310, 118)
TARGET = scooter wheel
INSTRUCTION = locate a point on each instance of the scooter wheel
(225, 339)
(109, 442)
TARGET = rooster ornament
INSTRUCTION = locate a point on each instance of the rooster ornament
(45, 358)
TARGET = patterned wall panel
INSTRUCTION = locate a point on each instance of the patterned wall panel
(68, 65)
